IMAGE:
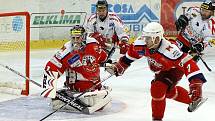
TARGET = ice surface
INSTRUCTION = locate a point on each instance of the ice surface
(131, 96)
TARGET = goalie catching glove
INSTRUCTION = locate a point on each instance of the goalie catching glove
(117, 68)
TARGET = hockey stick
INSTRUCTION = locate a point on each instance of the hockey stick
(206, 65)
(75, 98)
(110, 54)
(18, 73)
(198, 53)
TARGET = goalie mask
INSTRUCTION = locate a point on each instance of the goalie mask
(207, 9)
(152, 34)
(78, 37)
(102, 9)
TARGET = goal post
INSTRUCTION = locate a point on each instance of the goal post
(15, 47)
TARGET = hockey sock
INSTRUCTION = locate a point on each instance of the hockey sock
(158, 103)
(179, 94)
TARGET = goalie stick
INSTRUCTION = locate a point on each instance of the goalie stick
(75, 98)
(18, 73)
(77, 104)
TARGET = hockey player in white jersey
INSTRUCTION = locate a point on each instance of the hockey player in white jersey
(107, 28)
(197, 29)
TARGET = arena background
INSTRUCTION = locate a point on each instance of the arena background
(51, 19)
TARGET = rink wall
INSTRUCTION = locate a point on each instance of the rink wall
(51, 20)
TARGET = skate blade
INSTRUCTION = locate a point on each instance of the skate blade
(203, 100)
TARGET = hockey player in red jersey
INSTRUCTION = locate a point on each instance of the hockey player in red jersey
(81, 58)
(169, 64)
(197, 29)
(107, 28)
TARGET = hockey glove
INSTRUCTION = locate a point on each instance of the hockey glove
(123, 46)
(181, 23)
(198, 47)
(101, 40)
(195, 89)
(117, 68)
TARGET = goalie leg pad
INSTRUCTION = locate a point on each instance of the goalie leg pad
(91, 98)
(96, 100)
(74, 105)
(100, 105)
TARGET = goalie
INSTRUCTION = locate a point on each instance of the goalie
(81, 57)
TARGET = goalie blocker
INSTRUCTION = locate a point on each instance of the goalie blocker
(87, 103)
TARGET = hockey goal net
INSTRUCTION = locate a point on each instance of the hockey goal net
(14, 52)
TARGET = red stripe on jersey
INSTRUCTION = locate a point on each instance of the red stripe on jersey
(115, 17)
(212, 27)
(91, 17)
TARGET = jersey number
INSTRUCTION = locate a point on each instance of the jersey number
(188, 67)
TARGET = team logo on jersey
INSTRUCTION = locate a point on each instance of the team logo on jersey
(89, 63)
(154, 63)
(88, 59)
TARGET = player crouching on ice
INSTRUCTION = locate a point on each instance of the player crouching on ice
(81, 57)
(169, 64)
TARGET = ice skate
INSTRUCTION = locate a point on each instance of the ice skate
(196, 104)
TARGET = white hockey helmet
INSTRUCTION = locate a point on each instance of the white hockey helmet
(153, 32)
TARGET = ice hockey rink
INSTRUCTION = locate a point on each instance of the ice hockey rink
(131, 99)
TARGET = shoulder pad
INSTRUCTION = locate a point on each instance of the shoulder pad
(112, 14)
(90, 40)
(192, 12)
(114, 17)
(93, 16)
(67, 48)
(169, 50)
(139, 41)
